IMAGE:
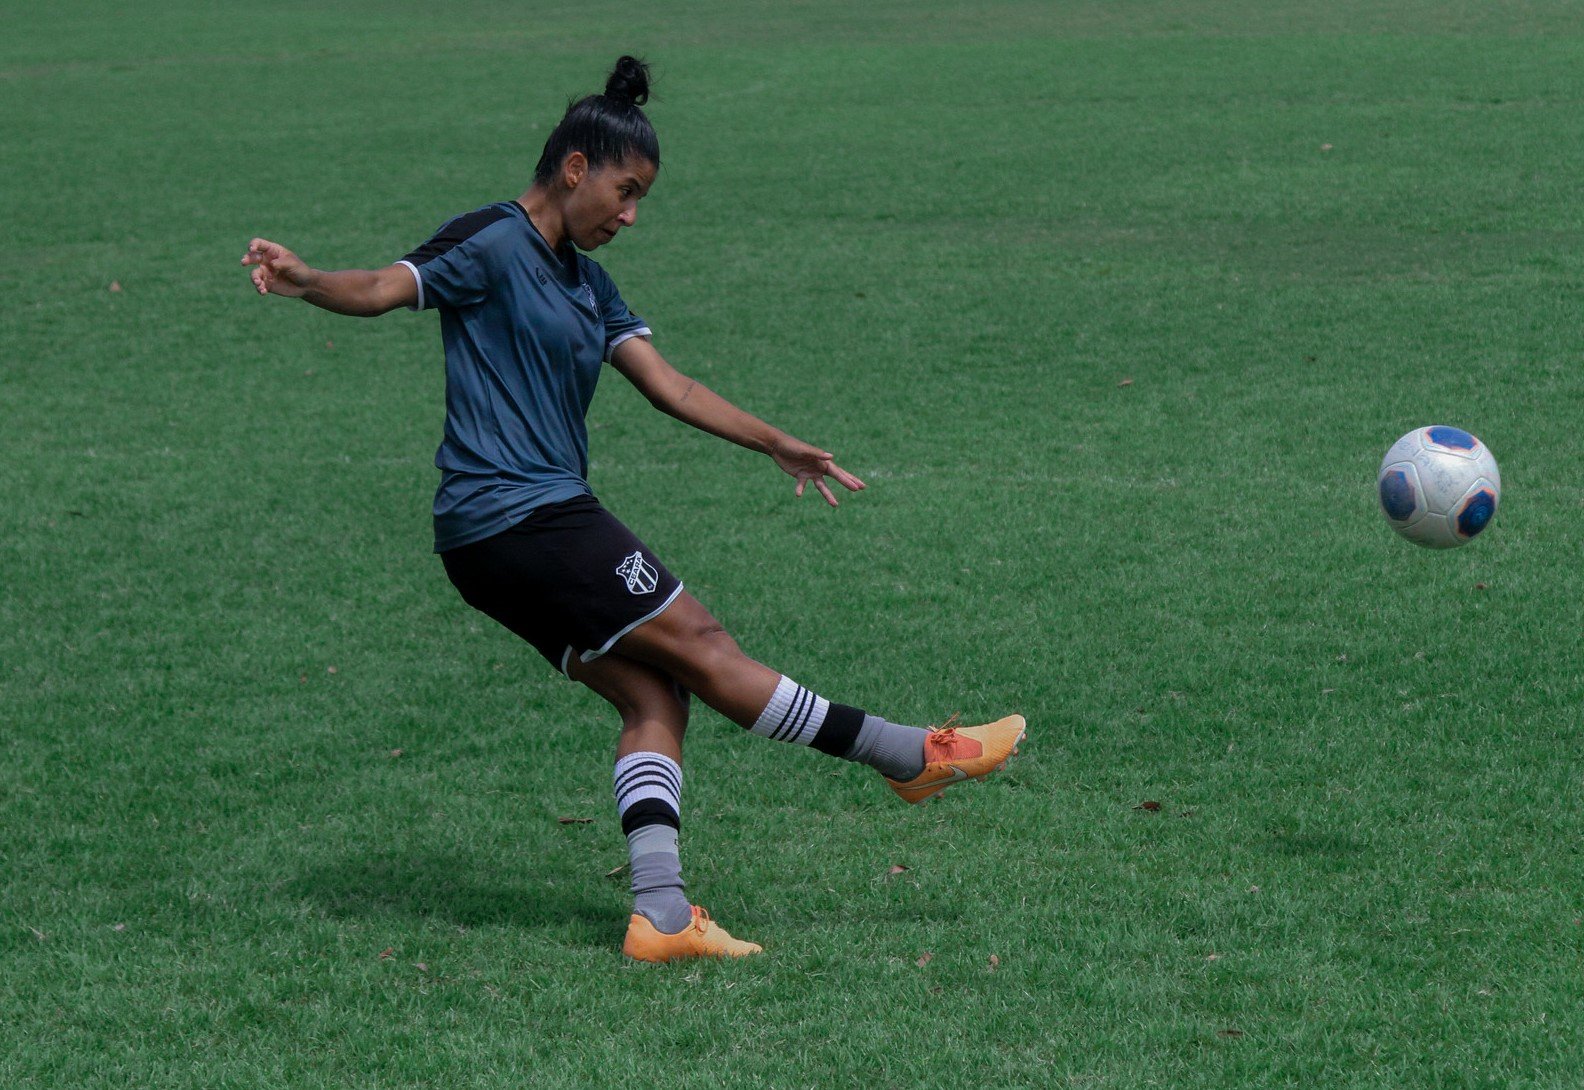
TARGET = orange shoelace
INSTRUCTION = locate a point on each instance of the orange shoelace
(944, 743)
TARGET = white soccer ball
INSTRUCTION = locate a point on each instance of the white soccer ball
(1439, 486)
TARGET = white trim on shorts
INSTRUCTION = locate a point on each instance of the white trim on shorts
(590, 656)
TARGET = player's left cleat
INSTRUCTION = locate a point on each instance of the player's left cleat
(955, 754)
(701, 938)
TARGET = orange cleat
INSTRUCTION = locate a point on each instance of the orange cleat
(703, 938)
(956, 754)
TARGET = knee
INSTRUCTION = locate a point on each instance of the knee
(703, 652)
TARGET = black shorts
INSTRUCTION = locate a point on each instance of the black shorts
(569, 579)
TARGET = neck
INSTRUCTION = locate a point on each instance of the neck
(545, 213)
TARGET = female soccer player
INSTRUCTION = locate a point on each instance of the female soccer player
(527, 321)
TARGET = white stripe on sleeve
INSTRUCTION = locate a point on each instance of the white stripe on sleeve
(641, 331)
(414, 270)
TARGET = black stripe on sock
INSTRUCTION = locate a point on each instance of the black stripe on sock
(648, 772)
(783, 729)
(665, 789)
(649, 812)
(651, 762)
(775, 731)
(796, 716)
(810, 702)
(839, 731)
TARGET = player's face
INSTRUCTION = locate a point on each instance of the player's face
(605, 200)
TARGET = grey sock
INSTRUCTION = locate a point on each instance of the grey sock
(657, 878)
(890, 748)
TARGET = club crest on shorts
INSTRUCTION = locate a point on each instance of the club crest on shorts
(639, 573)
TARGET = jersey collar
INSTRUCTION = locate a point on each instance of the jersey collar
(565, 258)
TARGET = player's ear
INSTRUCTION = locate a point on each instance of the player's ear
(574, 168)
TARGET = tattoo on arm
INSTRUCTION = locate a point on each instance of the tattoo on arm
(688, 392)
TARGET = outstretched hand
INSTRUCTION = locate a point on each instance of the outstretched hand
(808, 464)
(277, 270)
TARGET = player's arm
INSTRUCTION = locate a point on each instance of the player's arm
(360, 292)
(691, 402)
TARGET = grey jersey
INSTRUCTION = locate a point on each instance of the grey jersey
(526, 330)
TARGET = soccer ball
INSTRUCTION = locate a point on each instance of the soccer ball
(1439, 486)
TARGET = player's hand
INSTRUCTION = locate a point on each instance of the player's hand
(808, 464)
(276, 270)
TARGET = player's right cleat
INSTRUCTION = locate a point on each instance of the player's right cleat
(956, 754)
(702, 938)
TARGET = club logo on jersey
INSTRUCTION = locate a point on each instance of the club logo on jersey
(639, 573)
(588, 293)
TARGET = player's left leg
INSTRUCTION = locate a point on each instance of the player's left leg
(648, 786)
(686, 642)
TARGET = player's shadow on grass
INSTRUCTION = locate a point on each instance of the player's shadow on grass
(457, 890)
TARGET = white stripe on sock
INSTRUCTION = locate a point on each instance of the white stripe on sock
(640, 776)
(793, 715)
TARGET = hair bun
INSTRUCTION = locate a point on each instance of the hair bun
(629, 81)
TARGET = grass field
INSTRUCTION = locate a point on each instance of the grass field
(1115, 306)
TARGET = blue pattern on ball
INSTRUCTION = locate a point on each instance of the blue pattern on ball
(1452, 438)
(1476, 512)
(1397, 494)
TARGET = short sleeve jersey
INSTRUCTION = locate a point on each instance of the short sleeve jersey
(526, 331)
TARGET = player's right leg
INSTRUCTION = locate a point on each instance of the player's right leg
(664, 926)
(687, 643)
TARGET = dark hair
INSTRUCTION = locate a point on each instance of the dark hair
(605, 128)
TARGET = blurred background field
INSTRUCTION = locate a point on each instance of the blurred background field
(1116, 307)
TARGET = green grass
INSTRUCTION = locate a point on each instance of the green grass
(277, 810)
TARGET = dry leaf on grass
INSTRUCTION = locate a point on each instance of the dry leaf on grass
(925, 958)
